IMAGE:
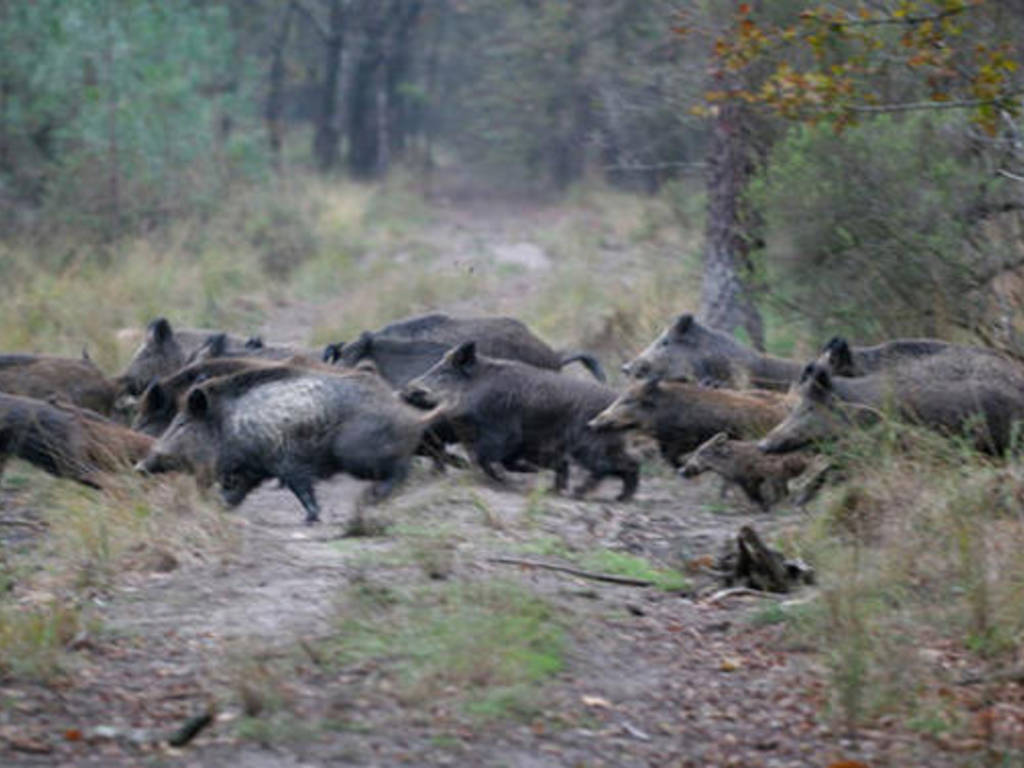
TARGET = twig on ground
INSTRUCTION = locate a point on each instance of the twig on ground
(573, 571)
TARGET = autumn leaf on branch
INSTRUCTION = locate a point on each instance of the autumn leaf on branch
(826, 64)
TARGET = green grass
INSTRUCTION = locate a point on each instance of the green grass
(487, 645)
(634, 567)
(33, 639)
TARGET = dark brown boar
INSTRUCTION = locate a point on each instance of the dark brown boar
(219, 345)
(67, 441)
(681, 415)
(764, 478)
(689, 350)
(514, 414)
(503, 337)
(981, 398)
(844, 360)
(293, 424)
(77, 381)
(163, 351)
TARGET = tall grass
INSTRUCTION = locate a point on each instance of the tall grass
(921, 555)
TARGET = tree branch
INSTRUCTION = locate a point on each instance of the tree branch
(915, 105)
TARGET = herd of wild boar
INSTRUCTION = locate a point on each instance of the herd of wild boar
(235, 412)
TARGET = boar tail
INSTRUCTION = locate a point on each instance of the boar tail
(587, 360)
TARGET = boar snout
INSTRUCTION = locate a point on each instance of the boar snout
(419, 396)
(688, 470)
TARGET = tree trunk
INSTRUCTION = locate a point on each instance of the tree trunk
(362, 114)
(726, 302)
(275, 91)
(325, 140)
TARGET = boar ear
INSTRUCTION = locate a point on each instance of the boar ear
(839, 356)
(464, 355)
(198, 403)
(254, 342)
(154, 397)
(216, 345)
(332, 352)
(682, 324)
(160, 330)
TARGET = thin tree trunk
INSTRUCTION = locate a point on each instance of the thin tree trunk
(113, 152)
(275, 91)
(325, 141)
(726, 302)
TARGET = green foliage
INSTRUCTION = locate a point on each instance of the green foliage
(115, 109)
(867, 230)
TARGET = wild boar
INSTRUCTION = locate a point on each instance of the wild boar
(764, 478)
(163, 351)
(220, 345)
(399, 361)
(843, 360)
(293, 424)
(980, 398)
(503, 337)
(689, 350)
(163, 398)
(66, 441)
(511, 413)
(681, 415)
(77, 381)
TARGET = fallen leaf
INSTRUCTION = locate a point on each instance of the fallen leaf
(596, 701)
(730, 663)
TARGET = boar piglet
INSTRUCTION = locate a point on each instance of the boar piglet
(495, 336)
(681, 415)
(764, 478)
(77, 381)
(980, 398)
(66, 441)
(510, 413)
(292, 424)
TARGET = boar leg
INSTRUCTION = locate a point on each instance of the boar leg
(592, 481)
(561, 476)
(630, 482)
(302, 487)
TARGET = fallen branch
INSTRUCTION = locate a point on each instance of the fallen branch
(1006, 676)
(573, 571)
